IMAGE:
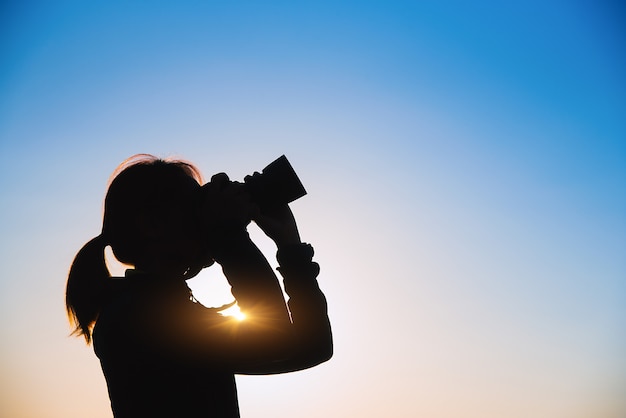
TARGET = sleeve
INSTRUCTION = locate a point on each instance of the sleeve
(269, 340)
(310, 330)
(211, 340)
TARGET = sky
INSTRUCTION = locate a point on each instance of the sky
(465, 164)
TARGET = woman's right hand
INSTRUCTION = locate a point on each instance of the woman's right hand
(225, 205)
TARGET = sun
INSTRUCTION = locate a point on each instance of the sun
(235, 312)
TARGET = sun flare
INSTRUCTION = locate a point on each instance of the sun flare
(235, 312)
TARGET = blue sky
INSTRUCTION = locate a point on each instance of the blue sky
(466, 169)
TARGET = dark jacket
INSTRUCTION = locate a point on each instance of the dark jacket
(164, 355)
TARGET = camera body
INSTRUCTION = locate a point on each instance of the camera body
(277, 185)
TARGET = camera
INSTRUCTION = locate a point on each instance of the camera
(277, 185)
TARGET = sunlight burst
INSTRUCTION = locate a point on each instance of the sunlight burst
(235, 312)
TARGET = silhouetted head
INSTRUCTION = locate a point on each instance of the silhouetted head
(151, 222)
(150, 213)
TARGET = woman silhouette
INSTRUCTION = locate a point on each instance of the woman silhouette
(162, 353)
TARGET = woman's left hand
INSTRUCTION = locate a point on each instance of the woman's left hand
(279, 224)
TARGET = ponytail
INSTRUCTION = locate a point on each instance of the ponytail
(87, 287)
(138, 187)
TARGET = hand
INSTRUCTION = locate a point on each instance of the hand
(225, 204)
(279, 224)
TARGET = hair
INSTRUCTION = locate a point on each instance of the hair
(142, 185)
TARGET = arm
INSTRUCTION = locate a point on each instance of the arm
(224, 342)
(306, 340)
(267, 341)
(311, 337)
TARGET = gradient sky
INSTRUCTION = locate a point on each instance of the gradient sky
(466, 170)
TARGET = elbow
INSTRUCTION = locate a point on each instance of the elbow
(322, 353)
(326, 353)
(324, 357)
(324, 346)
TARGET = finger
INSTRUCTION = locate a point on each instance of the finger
(255, 176)
(216, 184)
(220, 179)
